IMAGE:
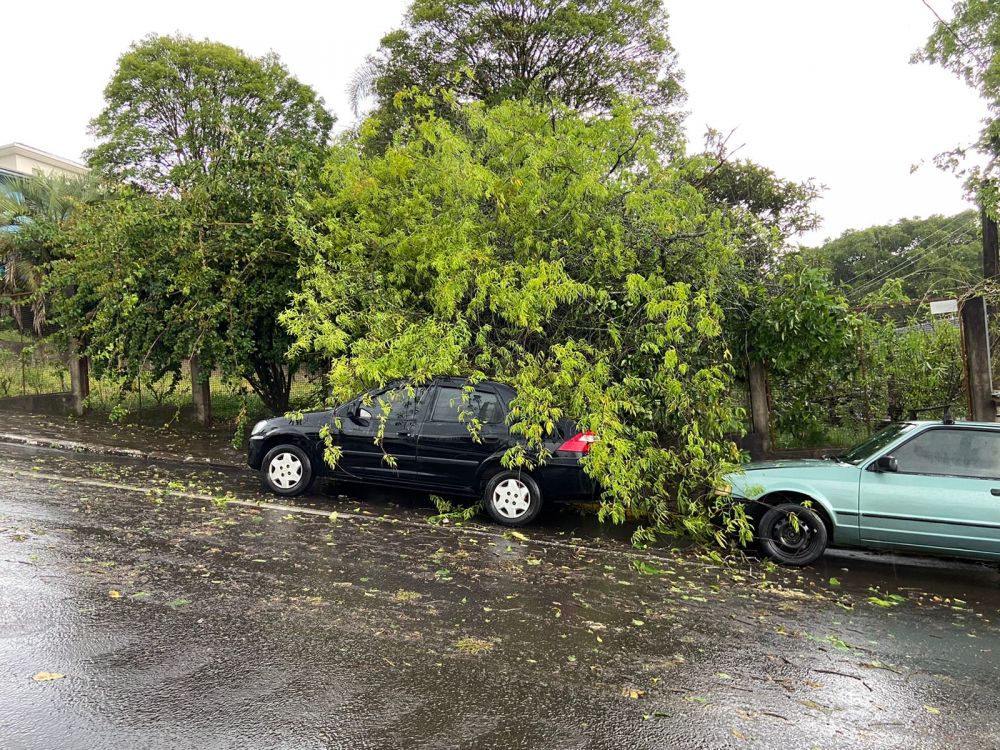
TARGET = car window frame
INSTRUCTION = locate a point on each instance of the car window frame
(904, 429)
(344, 410)
(439, 388)
(890, 451)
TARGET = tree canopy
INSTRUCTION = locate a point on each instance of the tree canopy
(932, 257)
(554, 252)
(201, 150)
(183, 115)
(587, 54)
(968, 45)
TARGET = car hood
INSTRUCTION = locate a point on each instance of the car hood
(797, 475)
(309, 419)
(790, 463)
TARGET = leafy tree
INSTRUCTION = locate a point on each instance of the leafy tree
(584, 53)
(778, 314)
(968, 45)
(211, 145)
(764, 209)
(887, 368)
(798, 318)
(559, 254)
(34, 212)
(936, 256)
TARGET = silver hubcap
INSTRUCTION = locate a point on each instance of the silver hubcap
(285, 470)
(511, 498)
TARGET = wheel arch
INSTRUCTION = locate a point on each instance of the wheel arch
(289, 438)
(493, 466)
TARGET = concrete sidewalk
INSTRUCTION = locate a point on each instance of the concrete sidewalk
(95, 434)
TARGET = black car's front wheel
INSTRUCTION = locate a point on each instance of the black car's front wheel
(792, 534)
(286, 470)
(512, 498)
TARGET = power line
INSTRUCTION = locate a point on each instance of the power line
(912, 258)
(943, 228)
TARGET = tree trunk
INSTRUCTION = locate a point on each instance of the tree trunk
(273, 383)
(201, 393)
(79, 378)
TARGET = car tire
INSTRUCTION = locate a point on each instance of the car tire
(286, 470)
(788, 543)
(512, 498)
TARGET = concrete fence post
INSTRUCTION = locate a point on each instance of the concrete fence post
(760, 411)
(976, 350)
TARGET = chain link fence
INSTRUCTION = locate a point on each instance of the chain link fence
(31, 367)
(34, 372)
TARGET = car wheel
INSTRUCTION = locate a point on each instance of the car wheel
(512, 498)
(792, 534)
(286, 470)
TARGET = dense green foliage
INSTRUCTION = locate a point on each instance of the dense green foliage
(968, 45)
(201, 149)
(777, 311)
(796, 317)
(587, 54)
(933, 257)
(34, 213)
(886, 369)
(556, 253)
(765, 210)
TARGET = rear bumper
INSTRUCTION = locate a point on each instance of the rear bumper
(562, 479)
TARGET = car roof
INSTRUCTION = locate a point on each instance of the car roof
(956, 423)
(460, 382)
(456, 381)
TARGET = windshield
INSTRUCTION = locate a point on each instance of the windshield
(875, 443)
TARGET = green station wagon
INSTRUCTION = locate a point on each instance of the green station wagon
(931, 487)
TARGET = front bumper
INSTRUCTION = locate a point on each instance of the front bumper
(255, 452)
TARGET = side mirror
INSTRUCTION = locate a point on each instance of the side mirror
(358, 413)
(886, 463)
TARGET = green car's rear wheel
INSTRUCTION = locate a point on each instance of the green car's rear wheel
(791, 534)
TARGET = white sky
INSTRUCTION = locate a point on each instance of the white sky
(814, 88)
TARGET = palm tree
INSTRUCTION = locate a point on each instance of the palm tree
(34, 212)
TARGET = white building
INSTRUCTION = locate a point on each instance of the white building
(19, 160)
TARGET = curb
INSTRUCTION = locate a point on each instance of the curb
(113, 450)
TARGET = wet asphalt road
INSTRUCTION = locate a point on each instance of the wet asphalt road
(181, 624)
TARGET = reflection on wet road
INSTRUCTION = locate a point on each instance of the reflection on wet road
(176, 622)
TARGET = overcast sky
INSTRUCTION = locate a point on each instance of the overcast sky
(817, 88)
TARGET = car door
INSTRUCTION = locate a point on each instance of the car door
(386, 425)
(447, 453)
(944, 496)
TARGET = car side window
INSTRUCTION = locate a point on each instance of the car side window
(397, 404)
(452, 402)
(954, 452)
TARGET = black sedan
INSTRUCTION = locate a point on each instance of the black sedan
(420, 438)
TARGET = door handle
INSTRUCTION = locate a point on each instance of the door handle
(402, 434)
(995, 492)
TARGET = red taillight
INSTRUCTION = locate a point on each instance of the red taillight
(579, 443)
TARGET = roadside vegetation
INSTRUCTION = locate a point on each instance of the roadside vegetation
(517, 203)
